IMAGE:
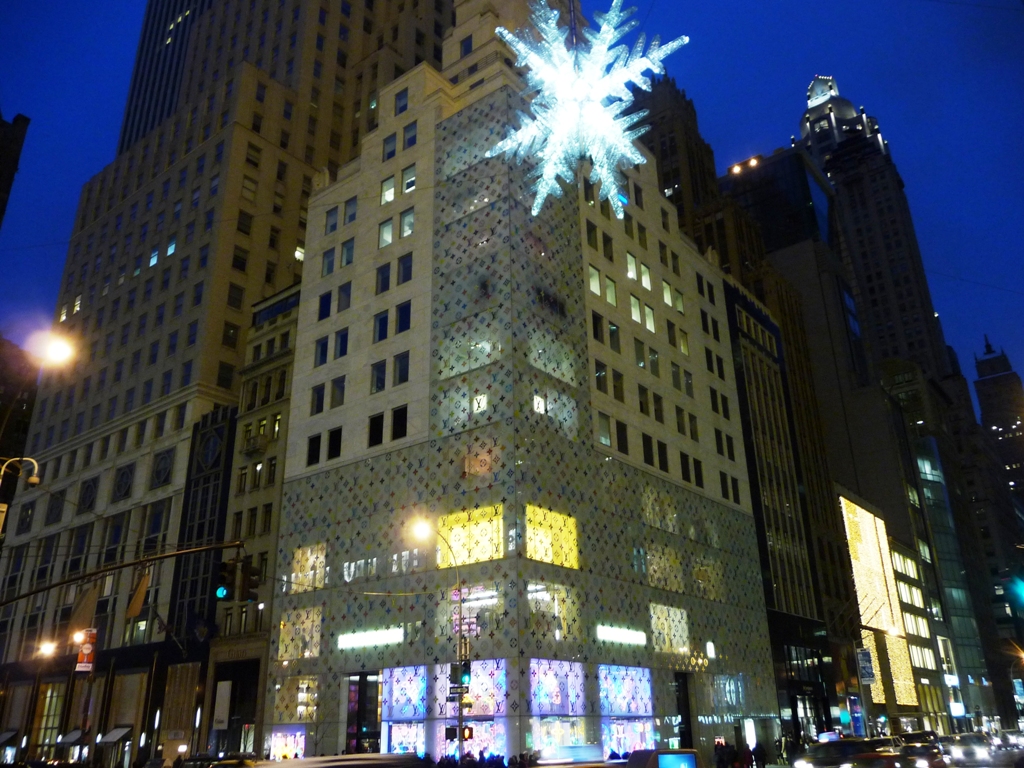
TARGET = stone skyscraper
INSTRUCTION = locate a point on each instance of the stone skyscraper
(235, 105)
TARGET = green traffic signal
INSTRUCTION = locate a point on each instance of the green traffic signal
(466, 673)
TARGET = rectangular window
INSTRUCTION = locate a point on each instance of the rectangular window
(621, 437)
(348, 250)
(409, 135)
(401, 101)
(684, 466)
(383, 278)
(316, 400)
(618, 386)
(324, 309)
(409, 179)
(378, 377)
(387, 190)
(344, 296)
(400, 370)
(350, 210)
(406, 222)
(595, 281)
(380, 326)
(320, 351)
(390, 147)
(403, 317)
(399, 422)
(404, 269)
(634, 309)
(313, 450)
(340, 343)
(375, 430)
(385, 233)
(601, 376)
(334, 443)
(337, 391)
(604, 429)
(598, 324)
(327, 265)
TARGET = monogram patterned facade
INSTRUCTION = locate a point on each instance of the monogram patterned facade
(595, 594)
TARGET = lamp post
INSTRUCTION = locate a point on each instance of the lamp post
(422, 529)
(32, 480)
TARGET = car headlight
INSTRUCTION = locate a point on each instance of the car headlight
(982, 753)
(920, 763)
(801, 764)
(957, 753)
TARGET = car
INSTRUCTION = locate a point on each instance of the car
(970, 748)
(1013, 739)
(920, 754)
(832, 754)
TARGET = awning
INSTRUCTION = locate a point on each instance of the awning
(7, 736)
(115, 735)
(71, 738)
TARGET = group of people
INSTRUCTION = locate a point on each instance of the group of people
(525, 760)
(728, 756)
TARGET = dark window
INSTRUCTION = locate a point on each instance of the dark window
(662, 456)
(400, 374)
(124, 477)
(621, 437)
(378, 376)
(376, 430)
(325, 306)
(316, 400)
(334, 443)
(648, 442)
(684, 465)
(163, 467)
(403, 317)
(344, 296)
(404, 269)
(313, 450)
(399, 422)
(225, 375)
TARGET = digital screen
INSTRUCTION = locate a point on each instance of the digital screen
(678, 760)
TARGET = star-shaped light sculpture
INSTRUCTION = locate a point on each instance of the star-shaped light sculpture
(580, 95)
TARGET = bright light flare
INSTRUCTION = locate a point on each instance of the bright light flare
(50, 348)
(48, 648)
(421, 529)
(78, 637)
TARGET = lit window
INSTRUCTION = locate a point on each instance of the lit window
(539, 405)
(552, 537)
(309, 570)
(409, 179)
(385, 233)
(473, 536)
(387, 190)
(634, 309)
(645, 276)
(631, 266)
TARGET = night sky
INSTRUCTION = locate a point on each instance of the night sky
(944, 78)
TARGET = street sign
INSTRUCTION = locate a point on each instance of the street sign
(454, 697)
(458, 689)
(864, 664)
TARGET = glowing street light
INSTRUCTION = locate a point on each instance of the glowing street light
(48, 648)
(58, 351)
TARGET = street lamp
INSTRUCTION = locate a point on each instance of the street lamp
(48, 648)
(50, 350)
(32, 479)
(421, 530)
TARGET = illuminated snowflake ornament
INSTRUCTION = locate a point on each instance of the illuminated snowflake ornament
(581, 94)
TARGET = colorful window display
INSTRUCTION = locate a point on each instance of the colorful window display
(405, 694)
(288, 741)
(404, 738)
(556, 687)
(489, 736)
(481, 610)
(486, 690)
(622, 734)
(625, 690)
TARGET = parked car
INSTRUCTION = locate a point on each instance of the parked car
(1012, 739)
(922, 755)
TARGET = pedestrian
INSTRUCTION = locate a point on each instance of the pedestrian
(760, 755)
(746, 757)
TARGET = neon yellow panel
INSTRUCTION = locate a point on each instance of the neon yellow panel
(902, 673)
(873, 576)
(877, 690)
(552, 537)
(474, 536)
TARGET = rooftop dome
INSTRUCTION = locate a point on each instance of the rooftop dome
(823, 97)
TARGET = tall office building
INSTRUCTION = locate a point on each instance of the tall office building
(1001, 398)
(876, 239)
(814, 623)
(12, 138)
(201, 216)
(554, 398)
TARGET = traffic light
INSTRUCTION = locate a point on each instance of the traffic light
(225, 580)
(451, 732)
(249, 582)
(467, 732)
(466, 674)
